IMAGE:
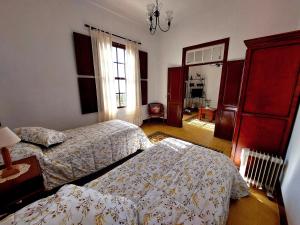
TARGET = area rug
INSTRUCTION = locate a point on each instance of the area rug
(159, 136)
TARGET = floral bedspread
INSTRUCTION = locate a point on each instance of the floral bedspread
(175, 182)
(86, 150)
(76, 205)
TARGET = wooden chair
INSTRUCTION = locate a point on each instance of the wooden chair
(156, 110)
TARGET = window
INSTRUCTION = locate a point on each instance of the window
(119, 73)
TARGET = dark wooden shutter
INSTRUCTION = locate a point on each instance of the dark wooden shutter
(83, 54)
(85, 70)
(144, 87)
(144, 76)
(88, 96)
(143, 64)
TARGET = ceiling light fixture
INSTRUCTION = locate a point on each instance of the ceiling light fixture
(153, 17)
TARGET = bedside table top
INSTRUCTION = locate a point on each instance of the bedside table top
(34, 171)
(22, 167)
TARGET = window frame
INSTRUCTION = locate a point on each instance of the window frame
(116, 76)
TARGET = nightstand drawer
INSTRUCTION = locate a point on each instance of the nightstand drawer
(16, 193)
(22, 190)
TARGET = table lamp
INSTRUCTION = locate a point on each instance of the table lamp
(8, 139)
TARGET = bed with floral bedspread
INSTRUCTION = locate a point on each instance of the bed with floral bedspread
(172, 182)
(86, 150)
(176, 182)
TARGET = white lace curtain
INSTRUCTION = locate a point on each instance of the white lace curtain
(103, 67)
(134, 102)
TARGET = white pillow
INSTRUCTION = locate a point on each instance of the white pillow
(77, 205)
(40, 135)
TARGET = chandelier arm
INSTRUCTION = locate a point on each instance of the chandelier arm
(163, 30)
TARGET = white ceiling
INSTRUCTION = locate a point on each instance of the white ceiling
(135, 10)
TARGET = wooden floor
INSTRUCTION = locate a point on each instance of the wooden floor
(191, 133)
(255, 209)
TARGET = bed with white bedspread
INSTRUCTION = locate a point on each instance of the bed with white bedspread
(86, 150)
(173, 182)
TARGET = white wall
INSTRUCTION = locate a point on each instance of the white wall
(290, 184)
(239, 20)
(38, 79)
(212, 76)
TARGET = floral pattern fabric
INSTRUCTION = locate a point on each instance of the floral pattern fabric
(40, 135)
(76, 205)
(175, 182)
(86, 150)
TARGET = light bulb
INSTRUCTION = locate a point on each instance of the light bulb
(150, 8)
(169, 15)
(159, 6)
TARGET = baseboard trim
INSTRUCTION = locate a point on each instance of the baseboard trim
(282, 212)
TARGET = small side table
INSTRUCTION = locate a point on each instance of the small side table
(207, 113)
(22, 190)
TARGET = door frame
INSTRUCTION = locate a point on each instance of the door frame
(185, 68)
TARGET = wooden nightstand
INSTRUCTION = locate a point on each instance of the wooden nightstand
(18, 192)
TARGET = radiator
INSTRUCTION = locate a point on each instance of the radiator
(260, 170)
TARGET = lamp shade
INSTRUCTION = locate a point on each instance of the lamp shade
(8, 138)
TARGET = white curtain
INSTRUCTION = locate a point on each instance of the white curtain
(134, 102)
(103, 66)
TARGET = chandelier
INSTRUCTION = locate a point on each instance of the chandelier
(153, 17)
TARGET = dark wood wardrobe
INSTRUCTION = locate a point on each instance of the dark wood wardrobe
(269, 96)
